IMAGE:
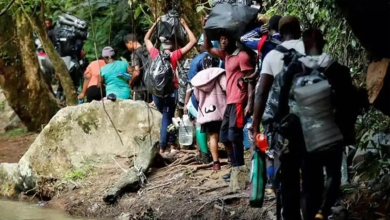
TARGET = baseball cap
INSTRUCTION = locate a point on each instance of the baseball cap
(201, 42)
(108, 52)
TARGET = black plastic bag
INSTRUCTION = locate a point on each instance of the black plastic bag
(170, 28)
(242, 2)
(160, 75)
(230, 20)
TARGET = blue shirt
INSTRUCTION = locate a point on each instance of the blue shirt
(116, 84)
(197, 66)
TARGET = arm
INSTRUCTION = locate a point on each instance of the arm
(191, 36)
(148, 42)
(135, 76)
(260, 100)
(187, 98)
(251, 39)
(214, 51)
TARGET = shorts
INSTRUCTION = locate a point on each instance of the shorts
(211, 127)
(232, 124)
(93, 93)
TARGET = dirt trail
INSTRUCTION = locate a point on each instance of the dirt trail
(13, 148)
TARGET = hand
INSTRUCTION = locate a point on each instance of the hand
(182, 21)
(264, 29)
(185, 110)
(254, 133)
(248, 110)
(81, 96)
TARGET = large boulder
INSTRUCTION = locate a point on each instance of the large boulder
(8, 118)
(84, 133)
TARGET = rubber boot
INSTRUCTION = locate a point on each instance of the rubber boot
(201, 139)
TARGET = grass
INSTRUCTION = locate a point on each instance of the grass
(82, 173)
(14, 133)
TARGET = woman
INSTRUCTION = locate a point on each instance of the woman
(115, 75)
(91, 88)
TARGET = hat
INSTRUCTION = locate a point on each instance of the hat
(108, 52)
(288, 19)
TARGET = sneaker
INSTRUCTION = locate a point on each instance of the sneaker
(216, 167)
(226, 176)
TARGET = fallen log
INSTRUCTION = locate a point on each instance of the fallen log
(131, 181)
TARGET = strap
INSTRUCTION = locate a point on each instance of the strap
(261, 44)
(244, 80)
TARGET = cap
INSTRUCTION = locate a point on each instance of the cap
(201, 42)
(108, 52)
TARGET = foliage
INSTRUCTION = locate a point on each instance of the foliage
(14, 133)
(109, 21)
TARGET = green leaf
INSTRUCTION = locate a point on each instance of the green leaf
(138, 11)
(199, 8)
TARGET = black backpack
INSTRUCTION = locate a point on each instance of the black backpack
(159, 76)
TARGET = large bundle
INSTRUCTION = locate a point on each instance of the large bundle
(169, 28)
(242, 2)
(70, 33)
(231, 20)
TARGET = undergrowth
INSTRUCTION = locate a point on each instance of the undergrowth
(14, 133)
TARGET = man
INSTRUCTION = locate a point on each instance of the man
(50, 30)
(167, 105)
(289, 28)
(139, 62)
(239, 98)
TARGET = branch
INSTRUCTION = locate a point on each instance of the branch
(7, 7)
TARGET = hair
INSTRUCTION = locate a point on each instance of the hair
(130, 38)
(274, 22)
(49, 19)
(314, 34)
(291, 28)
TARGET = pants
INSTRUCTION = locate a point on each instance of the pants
(166, 106)
(320, 197)
(232, 131)
(93, 93)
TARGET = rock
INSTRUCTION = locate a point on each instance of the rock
(375, 140)
(13, 124)
(83, 134)
(7, 171)
(239, 179)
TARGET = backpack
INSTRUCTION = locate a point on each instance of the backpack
(183, 69)
(306, 93)
(160, 75)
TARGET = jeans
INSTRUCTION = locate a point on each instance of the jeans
(166, 106)
(320, 197)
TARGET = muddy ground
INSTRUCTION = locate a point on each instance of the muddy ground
(171, 192)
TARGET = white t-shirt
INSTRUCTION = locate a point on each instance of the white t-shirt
(273, 63)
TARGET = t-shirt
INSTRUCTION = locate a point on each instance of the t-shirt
(113, 83)
(175, 57)
(138, 58)
(93, 71)
(235, 66)
(273, 63)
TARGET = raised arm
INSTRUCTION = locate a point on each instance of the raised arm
(148, 42)
(191, 37)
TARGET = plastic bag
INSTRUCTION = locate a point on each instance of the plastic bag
(160, 76)
(170, 28)
(230, 20)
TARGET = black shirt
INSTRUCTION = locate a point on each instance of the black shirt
(139, 58)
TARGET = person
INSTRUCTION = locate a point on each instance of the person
(289, 28)
(91, 87)
(139, 61)
(239, 98)
(167, 105)
(252, 38)
(110, 75)
(50, 30)
(197, 65)
(210, 87)
(319, 198)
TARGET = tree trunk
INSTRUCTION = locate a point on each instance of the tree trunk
(378, 85)
(59, 65)
(20, 76)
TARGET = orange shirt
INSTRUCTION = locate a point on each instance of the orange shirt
(93, 72)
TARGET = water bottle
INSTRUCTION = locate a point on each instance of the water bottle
(247, 135)
(262, 142)
(80, 101)
(186, 131)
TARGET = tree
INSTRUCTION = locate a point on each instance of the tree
(20, 75)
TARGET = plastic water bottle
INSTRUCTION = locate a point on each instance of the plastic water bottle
(186, 131)
(247, 135)
(80, 101)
